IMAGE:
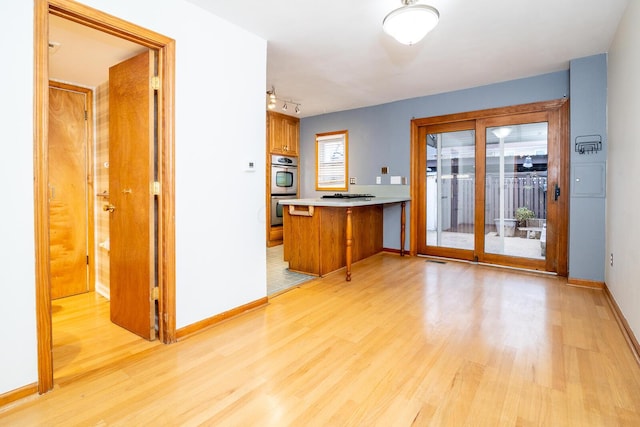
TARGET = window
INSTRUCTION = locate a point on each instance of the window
(332, 160)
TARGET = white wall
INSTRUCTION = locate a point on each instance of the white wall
(220, 126)
(18, 355)
(623, 204)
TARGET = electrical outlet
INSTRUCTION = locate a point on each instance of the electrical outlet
(352, 180)
(611, 259)
(378, 180)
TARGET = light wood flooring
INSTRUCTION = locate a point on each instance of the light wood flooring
(406, 342)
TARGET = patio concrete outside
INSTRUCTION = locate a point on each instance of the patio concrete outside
(513, 246)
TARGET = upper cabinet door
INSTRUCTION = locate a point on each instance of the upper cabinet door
(283, 133)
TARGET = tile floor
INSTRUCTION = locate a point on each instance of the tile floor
(279, 278)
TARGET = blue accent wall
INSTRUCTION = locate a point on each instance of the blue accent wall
(380, 135)
(587, 211)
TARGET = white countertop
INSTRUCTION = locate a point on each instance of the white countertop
(344, 203)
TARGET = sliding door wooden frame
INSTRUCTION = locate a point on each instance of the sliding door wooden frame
(165, 47)
(549, 263)
(557, 112)
(423, 131)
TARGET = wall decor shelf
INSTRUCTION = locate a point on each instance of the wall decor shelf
(588, 144)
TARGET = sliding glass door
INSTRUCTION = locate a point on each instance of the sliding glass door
(489, 189)
(449, 187)
(516, 165)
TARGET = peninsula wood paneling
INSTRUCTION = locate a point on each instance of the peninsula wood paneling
(333, 231)
(367, 231)
(301, 237)
(317, 244)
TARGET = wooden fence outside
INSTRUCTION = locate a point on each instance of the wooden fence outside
(520, 189)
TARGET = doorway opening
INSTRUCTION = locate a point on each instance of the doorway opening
(487, 186)
(164, 257)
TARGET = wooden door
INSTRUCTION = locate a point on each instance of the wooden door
(131, 176)
(68, 188)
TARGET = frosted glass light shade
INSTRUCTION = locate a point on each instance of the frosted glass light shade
(502, 132)
(409, 24)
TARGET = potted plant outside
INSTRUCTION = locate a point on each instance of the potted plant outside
(523, 213)
(523, 216)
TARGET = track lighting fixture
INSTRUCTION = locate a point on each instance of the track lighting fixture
(273, 99)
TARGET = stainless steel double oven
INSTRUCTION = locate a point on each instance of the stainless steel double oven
(284, 184)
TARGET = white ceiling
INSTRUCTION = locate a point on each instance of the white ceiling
(332, 55)
(83, 55)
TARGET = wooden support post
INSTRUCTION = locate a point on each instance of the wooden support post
(349, 242)
(402, 227)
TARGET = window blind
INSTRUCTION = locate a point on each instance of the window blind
(331, 161)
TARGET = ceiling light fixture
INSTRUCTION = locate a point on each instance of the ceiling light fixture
(501, 132)
(273, 99)
(411, 22)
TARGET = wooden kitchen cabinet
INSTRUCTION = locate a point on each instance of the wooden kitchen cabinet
(283, 133)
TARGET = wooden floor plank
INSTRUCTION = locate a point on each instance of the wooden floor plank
(406, 342)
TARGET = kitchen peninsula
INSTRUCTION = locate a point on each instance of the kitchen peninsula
(323, 235)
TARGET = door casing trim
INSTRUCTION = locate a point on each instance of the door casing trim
(166, 212)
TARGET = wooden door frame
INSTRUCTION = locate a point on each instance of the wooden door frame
(420, 190)
(165, 47)
(560, 109)
(91, 277)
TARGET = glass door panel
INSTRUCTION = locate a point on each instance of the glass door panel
(516, 165)
(450, 189)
